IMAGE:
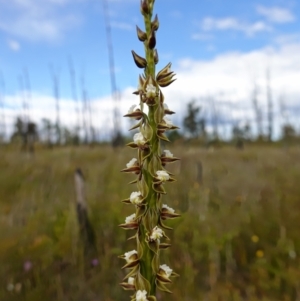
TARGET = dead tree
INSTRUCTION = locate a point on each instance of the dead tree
(270, 106)
(24, 115)
(117, 139)
(214, 118)
(86, 231)
(31, 128)
(257, 111)
(74, 95)
(2, 100)
(55, 79)
(84, 109)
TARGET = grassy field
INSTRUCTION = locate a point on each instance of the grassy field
(238, 237)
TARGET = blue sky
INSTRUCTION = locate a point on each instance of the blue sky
(218, 48)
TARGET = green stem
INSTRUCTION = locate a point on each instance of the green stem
(148, 255)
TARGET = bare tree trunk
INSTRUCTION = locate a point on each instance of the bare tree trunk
(86, 230)
(215, 119)
(57, 103)
(270, 107)
(24, 133)
(74, 95)
(117, 136)
(84, 110)
(2, 98)
(258, 112)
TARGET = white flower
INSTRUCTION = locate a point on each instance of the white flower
(136, 197)
(166, 269)
(141, 295)
(168, 154)
(131, 109)
(131, 163)
(162, 175)
(131, 280)
(150, 91)
(130, 218)
(156, 234)
(168, 208)
(168, 122)
(129, 254)
(166, 106)
(139, 139)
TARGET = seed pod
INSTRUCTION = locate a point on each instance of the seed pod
(155, 23)
(139, 61)
(152, 40)
(142, 36)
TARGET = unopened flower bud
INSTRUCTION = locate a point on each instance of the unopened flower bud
(155, 23)
(162, 73)
(152, 40)
(144, 7)
(139, 61)
(142, 36)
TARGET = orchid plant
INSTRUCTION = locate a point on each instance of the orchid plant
(146, 273)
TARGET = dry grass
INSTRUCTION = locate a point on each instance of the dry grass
(244, 195)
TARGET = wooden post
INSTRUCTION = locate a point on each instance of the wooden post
(86, 230)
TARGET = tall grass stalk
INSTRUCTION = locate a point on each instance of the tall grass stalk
(146, 272)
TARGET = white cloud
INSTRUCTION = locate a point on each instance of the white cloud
(210, 24)
(37, 20)
(176, 14)
(13, 45)
(288, 39)
(121, 25)
(228, 79)
(276, 14)
(202, 36)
